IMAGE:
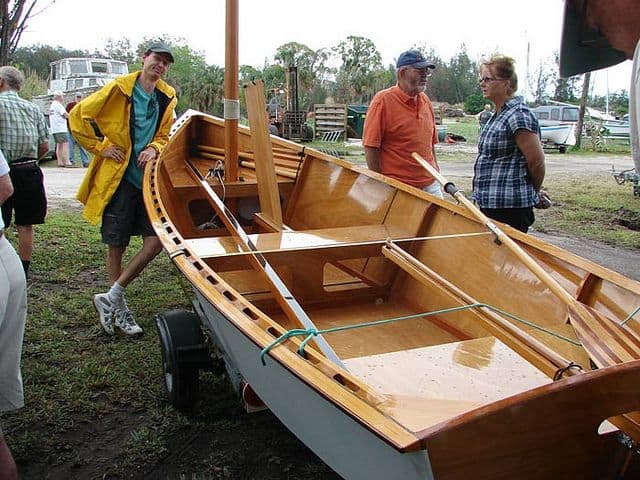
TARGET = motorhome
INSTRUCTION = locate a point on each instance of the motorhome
(79, 75)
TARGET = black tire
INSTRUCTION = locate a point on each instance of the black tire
(563, 149)
(184, 352)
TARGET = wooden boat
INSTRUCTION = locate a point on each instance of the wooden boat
(389, 330)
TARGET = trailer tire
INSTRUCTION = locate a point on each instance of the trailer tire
(184, 352)
(563, 149)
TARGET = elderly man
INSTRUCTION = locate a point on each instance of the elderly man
(134, 113)
(400, 121)
(599, 34)
(24, 139)
(58, 123)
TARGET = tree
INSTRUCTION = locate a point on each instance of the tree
(14, 15)
(37, 57)
(462, 76)
(119, 49)
(539, 82)
(295, 54)
(360, 60)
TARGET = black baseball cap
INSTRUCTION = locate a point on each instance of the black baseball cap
(160, 47)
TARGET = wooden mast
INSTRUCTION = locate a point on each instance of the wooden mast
(231, 101)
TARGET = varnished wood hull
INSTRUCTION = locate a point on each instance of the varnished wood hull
(451, 395)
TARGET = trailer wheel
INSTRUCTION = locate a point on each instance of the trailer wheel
(563, 149)
(184, 352)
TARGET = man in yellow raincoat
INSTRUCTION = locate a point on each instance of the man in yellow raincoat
(133, 115)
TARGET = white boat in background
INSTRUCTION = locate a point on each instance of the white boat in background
(558, 136)
(616, 128)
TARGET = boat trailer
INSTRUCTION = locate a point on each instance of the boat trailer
(628, 176)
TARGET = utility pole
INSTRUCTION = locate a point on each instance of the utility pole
(583, 107)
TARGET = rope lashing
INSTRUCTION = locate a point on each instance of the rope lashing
(561, 371)
(630, 316)
(309, 333)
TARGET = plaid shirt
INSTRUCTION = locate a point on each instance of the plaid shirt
(22, 127)
(500, 177)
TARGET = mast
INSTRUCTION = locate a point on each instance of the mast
(231, 101)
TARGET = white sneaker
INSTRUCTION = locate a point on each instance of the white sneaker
(105, 311)
(125, 322)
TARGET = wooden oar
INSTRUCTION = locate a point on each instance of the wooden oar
(607, 342)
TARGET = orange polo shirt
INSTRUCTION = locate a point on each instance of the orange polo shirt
(398, 125)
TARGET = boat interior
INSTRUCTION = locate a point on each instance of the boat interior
(409, 285)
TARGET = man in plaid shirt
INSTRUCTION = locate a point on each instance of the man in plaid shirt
(24, 139)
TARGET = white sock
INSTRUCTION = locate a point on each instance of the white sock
(116, 296)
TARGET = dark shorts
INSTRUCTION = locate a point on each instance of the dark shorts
(60, 137)
(29, 201)
(519, 218)
(125, 216)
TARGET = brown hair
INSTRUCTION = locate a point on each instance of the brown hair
(503, 67)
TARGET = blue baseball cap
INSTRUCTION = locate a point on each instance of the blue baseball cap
(415, 59)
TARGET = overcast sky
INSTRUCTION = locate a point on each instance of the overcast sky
(507, 26)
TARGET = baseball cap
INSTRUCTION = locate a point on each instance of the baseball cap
(58, 93)
(160, 47)
(78, 95)
(582, 48)
(415, 59)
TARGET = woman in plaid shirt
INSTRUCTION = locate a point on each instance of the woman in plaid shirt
(509, 169)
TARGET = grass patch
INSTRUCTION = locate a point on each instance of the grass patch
(592, 206)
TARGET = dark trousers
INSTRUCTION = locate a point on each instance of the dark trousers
(518, 218)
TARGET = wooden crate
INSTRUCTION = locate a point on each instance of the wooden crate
(330, 118)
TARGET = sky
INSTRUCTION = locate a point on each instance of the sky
(510, 27)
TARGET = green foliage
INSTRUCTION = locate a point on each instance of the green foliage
(38, 57)
(474, 103)
(356, 78)
(33, 85)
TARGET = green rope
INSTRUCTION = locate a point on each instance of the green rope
(309, 333)
(631, 315)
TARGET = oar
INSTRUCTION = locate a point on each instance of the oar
(607, 342)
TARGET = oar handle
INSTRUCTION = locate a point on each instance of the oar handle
(537, 270)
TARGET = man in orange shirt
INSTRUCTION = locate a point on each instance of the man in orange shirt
(400, 121)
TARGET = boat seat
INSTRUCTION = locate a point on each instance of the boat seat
(427, 385)
(211, 247)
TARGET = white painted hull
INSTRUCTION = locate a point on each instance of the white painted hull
(337, 438)
(559, 135)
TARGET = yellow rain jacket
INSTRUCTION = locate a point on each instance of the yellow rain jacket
(110, 109)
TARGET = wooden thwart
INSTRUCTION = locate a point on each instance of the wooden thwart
(604, 339)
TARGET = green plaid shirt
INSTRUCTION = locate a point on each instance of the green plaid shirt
(22, 127)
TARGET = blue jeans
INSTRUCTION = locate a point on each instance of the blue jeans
(72, 151)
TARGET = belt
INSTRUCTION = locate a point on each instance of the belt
(23, 163)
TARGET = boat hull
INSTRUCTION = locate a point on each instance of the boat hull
(412, 387)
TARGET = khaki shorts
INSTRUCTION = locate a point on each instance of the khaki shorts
(60, 137)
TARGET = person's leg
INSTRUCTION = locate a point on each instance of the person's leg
(8, 468)
(518, 218)
(151, 247)
(25, 245)
(114, 261)
(84, 156)
(72, 148)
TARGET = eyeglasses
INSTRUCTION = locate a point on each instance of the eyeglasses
(427, 72)
(489, 79)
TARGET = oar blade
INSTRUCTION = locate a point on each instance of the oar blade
(607, 342)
